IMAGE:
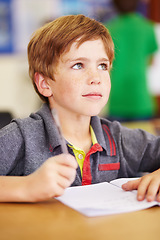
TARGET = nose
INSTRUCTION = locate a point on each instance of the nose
(94, 77)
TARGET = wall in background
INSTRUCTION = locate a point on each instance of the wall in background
(18, 20)
(16, 91)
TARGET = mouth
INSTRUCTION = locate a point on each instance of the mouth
(94, 96)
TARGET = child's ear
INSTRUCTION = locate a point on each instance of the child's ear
(42, 84)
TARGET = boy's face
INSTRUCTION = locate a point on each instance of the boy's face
(82, 81)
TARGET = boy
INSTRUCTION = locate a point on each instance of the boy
(69, 63)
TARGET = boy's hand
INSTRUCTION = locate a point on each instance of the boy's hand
(148, 187)
(52, 178)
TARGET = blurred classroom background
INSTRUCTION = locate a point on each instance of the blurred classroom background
(20, 18)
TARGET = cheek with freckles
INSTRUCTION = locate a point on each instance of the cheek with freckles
(67, 92)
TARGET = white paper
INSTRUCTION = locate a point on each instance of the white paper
(120, 181)
(102, 199)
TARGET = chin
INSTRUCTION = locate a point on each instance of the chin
(91, 111)
(94, 113)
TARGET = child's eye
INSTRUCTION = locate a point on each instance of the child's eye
(103, 66)
(78, 66)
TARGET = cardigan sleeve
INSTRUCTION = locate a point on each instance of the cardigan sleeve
(139, 150)
(11, 149)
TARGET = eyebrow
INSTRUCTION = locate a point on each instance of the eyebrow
(86, 59)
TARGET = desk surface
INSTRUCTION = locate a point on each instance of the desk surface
(53, 220)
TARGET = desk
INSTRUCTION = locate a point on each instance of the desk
(54, 221)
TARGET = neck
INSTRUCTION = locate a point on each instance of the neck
(75, 127)
(76, 131)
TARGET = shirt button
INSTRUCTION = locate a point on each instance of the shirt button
(80, 156)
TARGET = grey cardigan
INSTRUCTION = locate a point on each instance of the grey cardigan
(26, 143)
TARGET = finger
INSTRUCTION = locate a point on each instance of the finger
(67, 172)
(158, 196)
(143, 188)
(63, 182)
(131, 185)
(57, 188)
(68, 160)
(152, 191)
(58, 191)
(61, 185)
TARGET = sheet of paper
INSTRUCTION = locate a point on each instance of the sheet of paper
(102, 199)
(120, 181)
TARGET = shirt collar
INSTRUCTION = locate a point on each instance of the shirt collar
(53, 135)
